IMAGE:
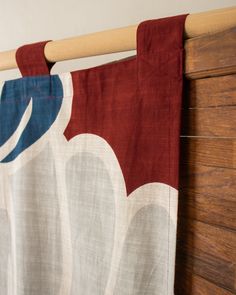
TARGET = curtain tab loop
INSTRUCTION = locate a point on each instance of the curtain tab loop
(31, 60)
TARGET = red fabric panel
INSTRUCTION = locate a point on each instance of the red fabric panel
(135, 104)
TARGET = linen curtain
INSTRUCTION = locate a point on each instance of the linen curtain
(89, 165)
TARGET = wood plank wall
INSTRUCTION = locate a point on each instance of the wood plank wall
(206, 239)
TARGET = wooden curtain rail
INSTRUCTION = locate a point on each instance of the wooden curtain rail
(124, 39)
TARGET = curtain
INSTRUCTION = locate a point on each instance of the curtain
(89, 165)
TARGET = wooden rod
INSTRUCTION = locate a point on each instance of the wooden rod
(124, 39)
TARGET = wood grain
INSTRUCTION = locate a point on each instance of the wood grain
(217, 122)
(213, 207)
(212, 181)
(215, 152)
(207, 251)
(218, 211)
(206, 239)
(210, 92)
(196, 285)
(211, 55)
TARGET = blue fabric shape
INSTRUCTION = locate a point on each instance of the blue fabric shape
(46, 93)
